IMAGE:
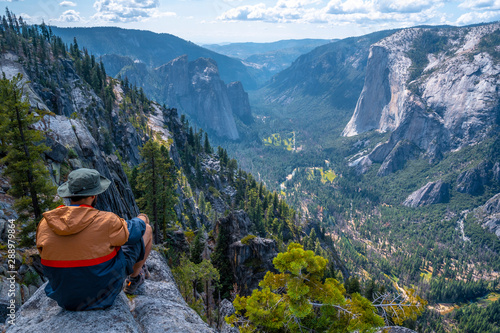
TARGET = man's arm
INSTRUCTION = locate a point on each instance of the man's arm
(136, 228)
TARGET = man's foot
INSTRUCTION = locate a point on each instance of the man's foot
(132, 283)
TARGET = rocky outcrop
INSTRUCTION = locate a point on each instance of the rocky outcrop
(71, 142)
(251, 261)
(240, 105)
(489, 214)
(397, 158)
(473, 181)
(361, 164)
(496, 172)
(196, 89)
(158, 307)
(450, 105)
(239, 225)
(431, 193)
(74, 135)
(372, 108)
(226, 309)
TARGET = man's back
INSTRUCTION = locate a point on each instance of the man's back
(80, 251)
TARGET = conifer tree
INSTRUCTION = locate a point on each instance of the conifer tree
(22, 145)
(206, 145)
(198, 247)
(221, 262)
(168, 195)
(155, 180)
(297, 300)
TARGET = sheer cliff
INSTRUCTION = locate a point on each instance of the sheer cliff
(195, 88)
(436, 88)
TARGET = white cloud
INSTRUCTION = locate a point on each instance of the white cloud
(340, 12)
(67, 4)
(69, 16)
(283, 12)
(478, 17)
(128, 10)
(480, 4)
(406, 6)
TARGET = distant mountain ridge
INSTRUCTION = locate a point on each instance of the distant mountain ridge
(192, 86)
(269, 58)
(245, 50)
(153, 49)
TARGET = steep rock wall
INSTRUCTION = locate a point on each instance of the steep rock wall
(451, 104)
(196, 89)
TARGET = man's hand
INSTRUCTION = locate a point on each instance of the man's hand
(143, 217)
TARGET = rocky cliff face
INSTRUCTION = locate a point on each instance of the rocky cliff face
(489, 214)
(240, 105)
(73, 142)
(158, 307)
(195, 88)
(251, 261)
(451, 104)
(431, 193)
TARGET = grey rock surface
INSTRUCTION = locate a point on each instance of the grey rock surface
(473, 181)
(496, 172)
(397, 158)
(74, 134)
(449, 106)
(362, 164)
(226, 310)
(431, 193)
(240, 104)
(250, 262)
(158, 307)
(239, 225)
(489, 214)
(195, 87)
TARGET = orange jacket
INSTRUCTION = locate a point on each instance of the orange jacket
(81, 255)
(89, 235)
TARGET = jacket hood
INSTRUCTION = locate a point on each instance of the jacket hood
(69, 220)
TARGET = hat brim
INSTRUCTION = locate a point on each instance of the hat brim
(64, 192)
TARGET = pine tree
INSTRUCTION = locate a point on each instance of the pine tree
(22, 145)
(298, 300)
(198, 247)
(221, 261)
(206, 145)
(156, 181)
(168, 195)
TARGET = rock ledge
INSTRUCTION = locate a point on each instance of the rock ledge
(157, 307)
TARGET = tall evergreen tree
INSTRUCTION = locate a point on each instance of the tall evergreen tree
(156, 181)
(221, 261)
(168, 195)
(22, 145)
(198, 247)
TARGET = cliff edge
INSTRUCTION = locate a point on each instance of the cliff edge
(157, 307)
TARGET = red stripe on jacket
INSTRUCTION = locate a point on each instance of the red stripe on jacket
(80, 263)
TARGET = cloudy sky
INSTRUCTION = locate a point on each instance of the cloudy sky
(218, 21)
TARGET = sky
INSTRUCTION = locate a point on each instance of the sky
(230, 21)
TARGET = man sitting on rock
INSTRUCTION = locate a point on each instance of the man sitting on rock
(87, 253)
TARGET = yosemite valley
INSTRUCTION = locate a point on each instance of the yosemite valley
(372, 163)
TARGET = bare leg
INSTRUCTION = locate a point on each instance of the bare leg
(148, 243)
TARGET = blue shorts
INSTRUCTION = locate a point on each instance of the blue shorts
(133, 254)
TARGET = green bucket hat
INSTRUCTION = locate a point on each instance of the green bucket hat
(83, 183)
